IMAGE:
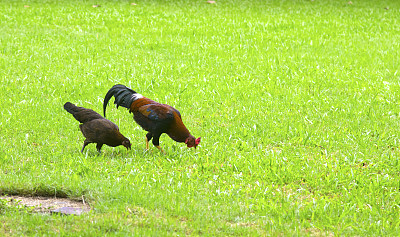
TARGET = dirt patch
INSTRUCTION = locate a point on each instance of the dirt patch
(49, 205)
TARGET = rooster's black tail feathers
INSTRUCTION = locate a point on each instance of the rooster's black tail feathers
(123, 97)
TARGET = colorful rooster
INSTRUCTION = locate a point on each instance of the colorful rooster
(152, 116)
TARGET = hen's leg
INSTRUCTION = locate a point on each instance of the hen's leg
(149, 136)
(85, 143)
(98, 146)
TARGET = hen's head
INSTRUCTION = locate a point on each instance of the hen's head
(192, 141)
(126, 143)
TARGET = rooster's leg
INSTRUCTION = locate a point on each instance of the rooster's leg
(149, 136)
(161, 150)
(147, 144)
(156, 143)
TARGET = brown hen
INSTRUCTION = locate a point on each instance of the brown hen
(97, 129)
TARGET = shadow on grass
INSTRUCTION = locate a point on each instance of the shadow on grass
(42, 189)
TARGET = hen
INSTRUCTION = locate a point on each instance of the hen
(97, 129)
(152, 116)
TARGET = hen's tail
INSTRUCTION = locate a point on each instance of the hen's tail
(81, 114)
(124, 97)
(71, 108)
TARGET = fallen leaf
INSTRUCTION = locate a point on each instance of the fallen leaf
(134, 4)
(350, 2)
(26, 6)
(96, 6)
(386, 8)
(211, 2)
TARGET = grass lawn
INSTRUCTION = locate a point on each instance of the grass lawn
(297, 104)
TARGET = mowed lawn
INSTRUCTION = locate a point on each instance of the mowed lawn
(297, 104)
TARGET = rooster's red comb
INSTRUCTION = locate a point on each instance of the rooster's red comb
(198, 141)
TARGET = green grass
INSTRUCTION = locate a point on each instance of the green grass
(297, 104)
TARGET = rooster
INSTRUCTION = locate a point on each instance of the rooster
(152, 116)
(97, 129)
